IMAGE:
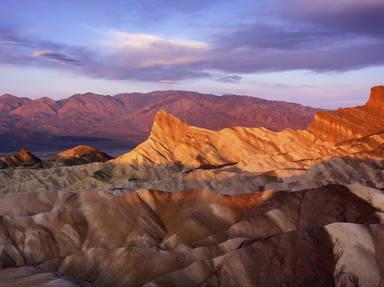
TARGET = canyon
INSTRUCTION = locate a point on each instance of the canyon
(192, 206)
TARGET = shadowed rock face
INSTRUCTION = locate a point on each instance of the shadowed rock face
(29, 276)
(9, 102)
(150, 237)
(349, 123)
(196, 207)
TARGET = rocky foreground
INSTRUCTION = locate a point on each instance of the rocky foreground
(195, 207)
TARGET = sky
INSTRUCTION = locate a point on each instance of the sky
(323, 53)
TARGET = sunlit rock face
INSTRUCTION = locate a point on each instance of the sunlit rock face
(78, 155)
(195, 207)
(349, 123)
(23, 158)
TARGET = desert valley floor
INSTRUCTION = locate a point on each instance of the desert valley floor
(195, 207)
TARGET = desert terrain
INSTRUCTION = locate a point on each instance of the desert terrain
(190, 206)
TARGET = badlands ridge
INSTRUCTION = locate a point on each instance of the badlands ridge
(195, 207)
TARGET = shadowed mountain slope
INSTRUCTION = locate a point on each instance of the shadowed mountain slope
(184, 238)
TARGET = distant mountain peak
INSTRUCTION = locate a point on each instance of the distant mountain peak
(10, 102)
(6, 95)
(130, 116)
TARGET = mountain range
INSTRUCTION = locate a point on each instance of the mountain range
(125, 119)
(190, 206)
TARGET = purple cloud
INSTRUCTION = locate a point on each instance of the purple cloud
(318, 35)
(348, 16)
(230, 79)
(57, 57)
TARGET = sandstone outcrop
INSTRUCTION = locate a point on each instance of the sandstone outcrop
(350, 123)
(23, 158)
(78, 155)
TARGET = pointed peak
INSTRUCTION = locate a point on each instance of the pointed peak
(167, 125)
(81, 154)
(26, 155)
(163, 115)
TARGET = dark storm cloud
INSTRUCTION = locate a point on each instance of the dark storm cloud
(348, 16)
(342, 58)
(261, 35)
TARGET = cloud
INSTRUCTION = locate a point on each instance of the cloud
(57, 57)
(167, 82)
(147, 57)
(305, 35)
(348, 16)
(12, 43)
(146, 51)
(230, 79)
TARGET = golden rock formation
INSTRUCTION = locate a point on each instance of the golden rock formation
(22, 158)
(349, 123)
